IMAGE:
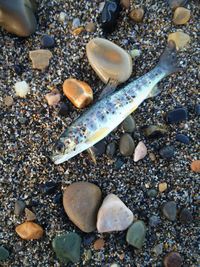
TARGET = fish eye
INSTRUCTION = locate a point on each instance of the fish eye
(60, 147)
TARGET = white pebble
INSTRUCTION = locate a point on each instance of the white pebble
(140, 151)
(22, 88)
(62, 17)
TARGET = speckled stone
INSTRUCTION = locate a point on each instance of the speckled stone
(136, 234)
(8, 101)
(169, 210)
(4, 254)
(173, 259)
(29, 231)
(185, 216)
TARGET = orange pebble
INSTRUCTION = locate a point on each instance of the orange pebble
(195, 166)
(29, 231)
(78, 92)
(99, 244)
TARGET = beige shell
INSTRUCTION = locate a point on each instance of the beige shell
(109, 60)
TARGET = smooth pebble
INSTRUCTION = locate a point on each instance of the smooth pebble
(140, 151)
(136, 234)
(169, 210)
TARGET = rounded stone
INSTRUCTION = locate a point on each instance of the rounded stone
(99, 244)
(47, 41)
(172, 259)
(137, 14)
(126, 145)
(169, 210)
(100, 148)
(18, 69)
(30, 216)
(181, 16)
(182, 138)
(195, 166)
(197, 109)
(53, 98)
(140, 151)
(162, 187)
(129, 125)
(125, 4)
(177, 115)
(167, 152)
(81, 202)
(29, 231)
(111, 149)
(176, 3)
(4, 253)
(185, 216)
(8, 101)
(136, 234)
(152, 192)
(19, 207)
(64, 109)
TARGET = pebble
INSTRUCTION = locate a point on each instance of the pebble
(21, 88)
(64, 110)
(158, 249)
(99, 244)
(195, 166)
(154, 131)
(125, 3)
(154, 221)
(197, 109)
(67, 247)
(78, 92)
(172, 259)
(181, 39)
(76, 23)
(100, 148)
(57, 198)
(4, 253)
(30, 216)
(29, 231)
(62, 17)
(49, 188)
(8, 101)
(53, 98)
(140, 151)
(176, 3)
(81, 201)
(109, 60)
(47, 41)
(119, 163)
(177, 115)
(137, 14)
(152, 192)
(129, 125)
(19, 207)
(18, 69)
(126, 145)
(134, 53)
(169, 210)
(113, 215)
(136, 234)
(182, 138)
(109, 15)
(162, 187)
(152, 156)
(40, 58)
(87, 255)
(111, 149)
(181, 16)
(167, 152)
(78, 31)
(90, 27)
(185, 216)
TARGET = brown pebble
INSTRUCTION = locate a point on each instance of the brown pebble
(125, 3)
(90, 27)
(181, 16)
(162, 187)
(29, 231)
(40, 58)
(30, 216)
(137, 14)
(78, 31)
(8, 101)
(152, 156)
(172, 259)
(195, 166)
(99, 244)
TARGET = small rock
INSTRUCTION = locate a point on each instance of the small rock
(49, 188)
(152, 156)
(22, 88)
(137, 14)
(126, 145)
(140, 151)
(8, 101)
(119, 163)
(181, 16)
(30, 216)
(47, 41)
(57, 198)
(176, 3)
(40, 58)
(183, 139)
(100, 148)
(134, 53)
(129, 125)
(111, 149)
(29, 231)
(177, 115)
(18, 69)
(197, 109)
(67, 247)
(136, 234)
(185, 216)
(152, 192)
(78, 31)
(64, 110)
(76, 23)
(154, 131)
(195, 166)
(90, 27)
(99, 244)
(4, 253)
(62, 17)
(78, 92)
(167, 152)
(19, 207)
(87, 255)
(154, 221)
(173, 259)
(158, 249)
(125, 3)
(181, 39)
(169, 210)
(113, 215)
(81, 202)
(53, 98)
(162, 187)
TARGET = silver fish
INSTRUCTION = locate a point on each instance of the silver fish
(104, 116)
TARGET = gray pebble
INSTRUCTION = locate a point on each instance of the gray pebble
(111, 149)
(167, 152)
(152, 192)
(129, 125)
(185, 216)
(4, 253)
(158, 249)
(76, 23)
(169, 210)
(126, 145)
(19, 207)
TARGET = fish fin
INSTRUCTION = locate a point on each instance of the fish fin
(154, 92)
(108, 89)
(168, 60)
(91, 152)
(98, 135)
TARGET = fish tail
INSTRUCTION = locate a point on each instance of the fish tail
(168, 60)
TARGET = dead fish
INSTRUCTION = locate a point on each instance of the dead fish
(104, 116)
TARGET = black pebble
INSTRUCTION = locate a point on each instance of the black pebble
(185, 216)
(167, 152)
(119, 163)
(110, 149)
(18, 69)
(47, 41)
(49, 188)
(100, 148)
(64, 110)
(197, 109)
(183, 138)
(177, 115)
(110, 15)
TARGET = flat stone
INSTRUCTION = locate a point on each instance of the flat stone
(8, 101)
(30, 216)
(152, 192)
(64, 109)
(154, 131)
(181, 39)
(22, 88)
(108, 60)
(4, 253)
(137, 14)
(136, 234)
(100, 148)
(126, 145)
(47, 41)
(158, 249)
(29, 231)
(177, 115)
(113, 215)
(129, 125)
(195, 166)
(19, 207)
(182, 138)
(162, 187)
(18, 68)
(169, 210)
(140, 151)
(78, 92)
(173, 259)
(185, 216)
(76, 23)
(167, 152)
(181, 16)
(53, 98)
(67, 247)
(111, 149)
(40, 58)
(81, 202)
